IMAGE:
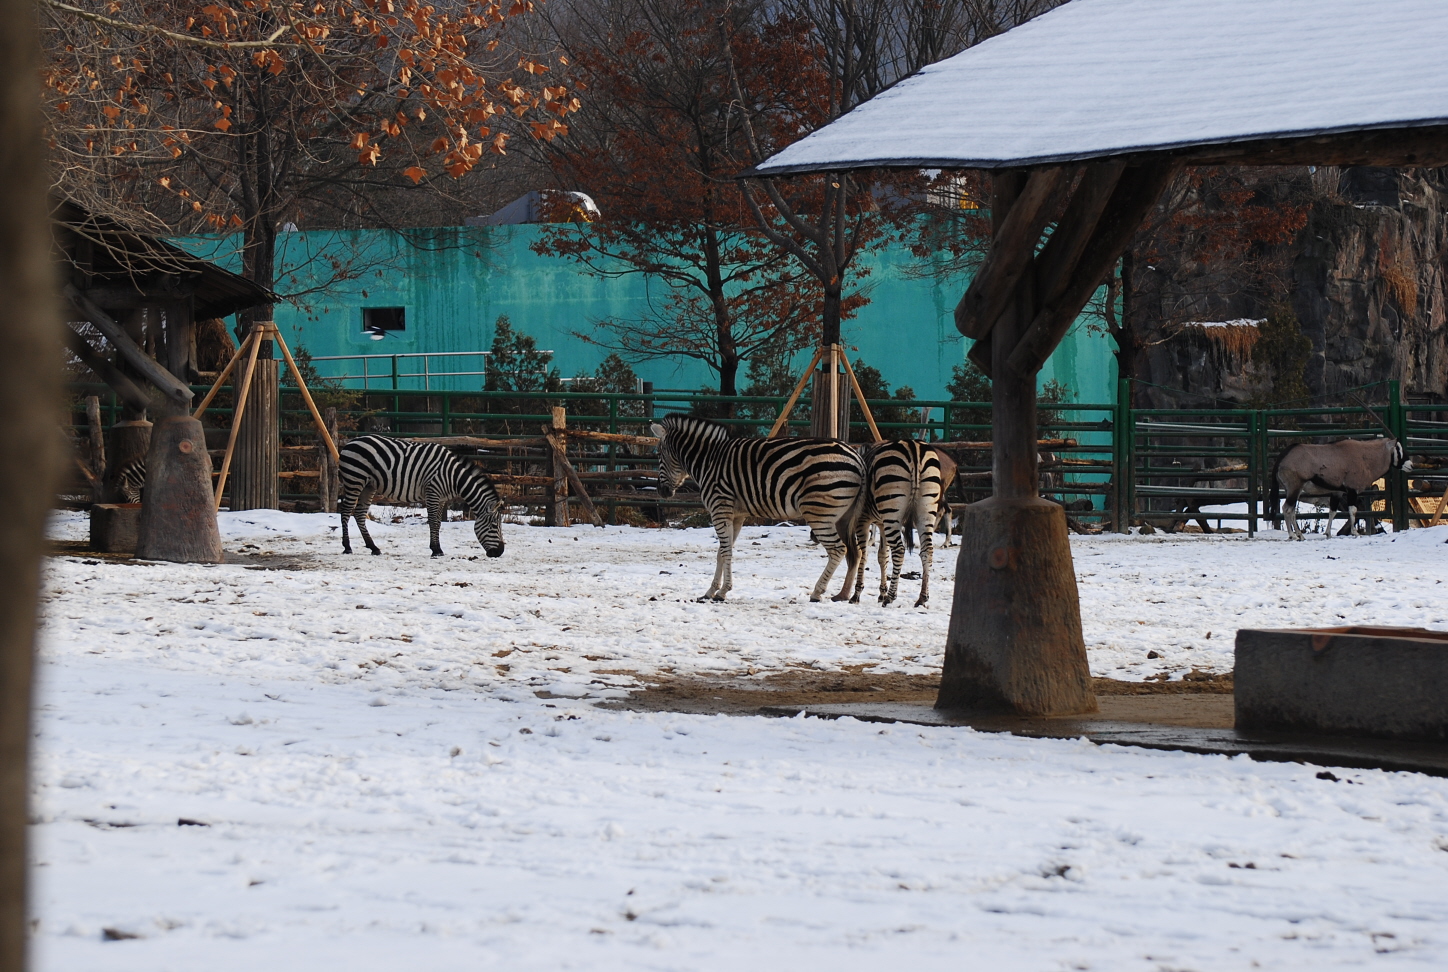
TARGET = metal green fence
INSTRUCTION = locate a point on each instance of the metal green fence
(1174, 465)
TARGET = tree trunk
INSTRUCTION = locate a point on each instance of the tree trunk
(1015, 637)
(30, 397)
(257, 459)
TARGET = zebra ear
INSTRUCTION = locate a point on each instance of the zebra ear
(657, 429)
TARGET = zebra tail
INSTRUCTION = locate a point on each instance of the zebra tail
(851, 520)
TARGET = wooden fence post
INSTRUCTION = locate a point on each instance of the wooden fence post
(558, 492)
(328, 478)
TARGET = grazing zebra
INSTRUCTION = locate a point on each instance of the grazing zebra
(903, 495)
(131, 480)
(416, 472)
(814, 480)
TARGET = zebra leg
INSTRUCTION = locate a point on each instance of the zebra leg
(927, 557)
(723, 579)
(364, 505)
(855, 568)
(344, 508)
(884, 562)
(436, 507)
(828, 534)
(895, 534)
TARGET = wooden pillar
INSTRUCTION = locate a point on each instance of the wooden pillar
(181, 340)
(257, 460)
(558, 491)
(178, 520)
(328, 480)
(1015, 639)
(97, 447)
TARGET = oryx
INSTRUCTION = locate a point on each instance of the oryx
(1340, 468)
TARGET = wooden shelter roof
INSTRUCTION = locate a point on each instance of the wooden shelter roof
(112, 256)
(1210, 81)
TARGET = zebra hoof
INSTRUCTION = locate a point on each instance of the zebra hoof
(437, 553)
(922, 602)
(855, 599)
(376, 551)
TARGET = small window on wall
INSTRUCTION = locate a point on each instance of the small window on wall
(377, 321)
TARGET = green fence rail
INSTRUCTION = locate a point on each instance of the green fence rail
(1172, 465)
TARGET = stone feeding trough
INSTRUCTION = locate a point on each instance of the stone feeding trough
(1367, 697)
(1386, 683)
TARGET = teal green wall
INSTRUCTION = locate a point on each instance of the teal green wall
(455, 281)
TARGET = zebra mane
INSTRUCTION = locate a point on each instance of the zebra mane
(699, 429)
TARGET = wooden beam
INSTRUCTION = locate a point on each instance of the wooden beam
(554, 435)
(1063, 251)
(1399, 147)
(126, 389)
(1135, 194)
(1011, 252)
(128, 349)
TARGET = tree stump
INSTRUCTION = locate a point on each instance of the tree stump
(257, 459)
(130, 440)
(1015, 628)
(178, 517)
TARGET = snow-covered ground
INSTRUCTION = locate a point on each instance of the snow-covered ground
(376, 782)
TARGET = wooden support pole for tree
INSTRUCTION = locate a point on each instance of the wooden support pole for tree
(254, 484)
(794, 395)
(252, 345)
(860, 397)
(1442, 505)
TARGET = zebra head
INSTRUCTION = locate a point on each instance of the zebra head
(682, 440)
(488, 528)
(671, 467)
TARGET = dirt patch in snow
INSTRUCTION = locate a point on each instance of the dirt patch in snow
(740, 696)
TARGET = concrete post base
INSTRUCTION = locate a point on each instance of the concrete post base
(1015, 626)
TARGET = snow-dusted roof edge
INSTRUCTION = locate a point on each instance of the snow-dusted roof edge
(765, 169)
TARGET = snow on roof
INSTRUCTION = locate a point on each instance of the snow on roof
(1097, 78)
(1238, 322)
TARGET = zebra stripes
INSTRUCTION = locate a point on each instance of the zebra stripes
(416, 472)
(131, 480)
(814, 480)
(902, 494)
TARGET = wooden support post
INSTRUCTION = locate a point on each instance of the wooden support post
(560, 456)
(830, 414)
(558, 492)
(1015, 638)
(1442, 505)
(97, 446)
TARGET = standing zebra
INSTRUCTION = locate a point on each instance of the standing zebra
(902, 494)
(416, 472)
(814, 480)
